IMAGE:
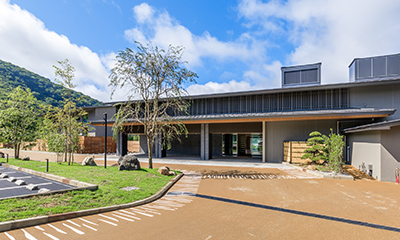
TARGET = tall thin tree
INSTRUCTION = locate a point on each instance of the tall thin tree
(154, 80)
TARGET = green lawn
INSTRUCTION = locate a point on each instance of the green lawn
(109, 180)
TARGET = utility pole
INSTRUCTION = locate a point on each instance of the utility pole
(105, 139)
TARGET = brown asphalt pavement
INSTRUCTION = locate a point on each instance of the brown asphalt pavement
(294, 205)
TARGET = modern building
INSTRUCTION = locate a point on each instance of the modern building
(254, 124)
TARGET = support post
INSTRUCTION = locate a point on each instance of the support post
(105, 140)
(47, 165)
(205, 142)
(264, 145)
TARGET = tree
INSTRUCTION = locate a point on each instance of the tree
(156, 77)
(63, 124)
(315, 152)
(334, 145)
(61, 129)
(19, 118)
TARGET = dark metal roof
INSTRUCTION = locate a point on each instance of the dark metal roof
(307, 113)
(385, 125)
(369, 82)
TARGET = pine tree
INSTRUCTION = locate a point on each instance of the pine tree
(316, 149)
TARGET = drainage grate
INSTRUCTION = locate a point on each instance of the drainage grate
(248, 176)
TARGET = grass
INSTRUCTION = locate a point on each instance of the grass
(109, 180)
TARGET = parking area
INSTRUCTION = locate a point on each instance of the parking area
(248, 205)
(14, 183)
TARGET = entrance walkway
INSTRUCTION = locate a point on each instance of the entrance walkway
(193, 160)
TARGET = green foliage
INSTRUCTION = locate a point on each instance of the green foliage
(18, 118)
(47, 92)
(315, 152)
(334, 145)
(156, 77)
(62, 127)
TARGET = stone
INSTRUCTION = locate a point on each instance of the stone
(26, 158)
(2, 155)
(20, 182)
(88, 161)
(3, 175)
(32, 187)
(129, 162)
(172, 173)
(12, 179)
(130, 188)
(164, 170)
(44, 190)
(311, 167)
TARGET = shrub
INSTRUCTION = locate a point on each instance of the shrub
(316, 150)
(334, 145)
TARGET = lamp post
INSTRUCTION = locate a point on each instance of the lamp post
(105, 140)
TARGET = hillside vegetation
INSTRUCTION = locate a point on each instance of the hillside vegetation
(12, 76)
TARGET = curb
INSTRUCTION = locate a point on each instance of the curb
(78, 184)
(21, 223)
(321, 175)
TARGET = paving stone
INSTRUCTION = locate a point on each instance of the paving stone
(20, 182)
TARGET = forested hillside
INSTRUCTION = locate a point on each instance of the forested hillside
(42, 88)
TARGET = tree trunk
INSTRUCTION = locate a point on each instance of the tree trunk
(16, 150)
(150, 150)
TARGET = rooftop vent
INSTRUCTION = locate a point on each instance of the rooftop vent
(309, 74)
(381, 67)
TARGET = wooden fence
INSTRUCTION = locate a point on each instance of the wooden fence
(293, 151)
(87, 144)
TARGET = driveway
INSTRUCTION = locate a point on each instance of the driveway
(273, 204)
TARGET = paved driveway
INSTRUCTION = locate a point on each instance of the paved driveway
(292, 206)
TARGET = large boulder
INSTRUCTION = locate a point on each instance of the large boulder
(88, 161)
(129, 162)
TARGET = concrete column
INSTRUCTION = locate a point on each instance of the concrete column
(158, 146)
(264, 136)
(205, 142)
(122, 144)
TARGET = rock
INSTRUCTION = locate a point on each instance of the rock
(129, 162)
(20, 182)
(2, 155)
(120, 160)
(43, 190)
(88, 161)
(26, 158)
(171, 173)
(311, 167)
(32, 187)
(164, 170)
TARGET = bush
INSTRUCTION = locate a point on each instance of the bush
(315, 152)
(334, 145)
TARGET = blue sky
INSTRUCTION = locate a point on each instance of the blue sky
(232, 45)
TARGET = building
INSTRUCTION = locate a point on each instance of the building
(254, 124)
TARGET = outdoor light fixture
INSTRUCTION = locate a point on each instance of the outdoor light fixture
(105, 139)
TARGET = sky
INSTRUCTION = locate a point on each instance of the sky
(231, 45)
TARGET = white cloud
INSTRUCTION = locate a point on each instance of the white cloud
(214, 87)
(332, 32)
(143, 12)
(163, 30)
(25, 41)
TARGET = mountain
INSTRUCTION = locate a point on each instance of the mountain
(42, 88)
